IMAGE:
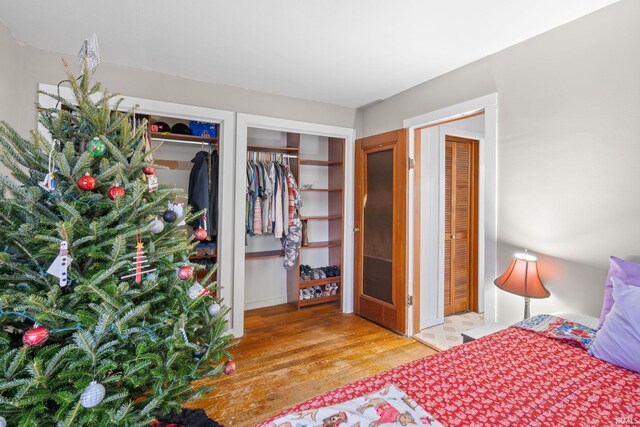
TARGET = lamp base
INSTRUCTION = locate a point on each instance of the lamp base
(527, 312)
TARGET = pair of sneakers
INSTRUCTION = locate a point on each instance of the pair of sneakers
(308, 273)
(311, 292)
(331, 289)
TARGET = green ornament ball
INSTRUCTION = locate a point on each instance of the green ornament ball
(97, 147)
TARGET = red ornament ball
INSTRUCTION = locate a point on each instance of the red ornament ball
(87, 183)
(35, 336)
(148, 170)
(115, 192)
(201, 234)
(229, 367)
(185, 272)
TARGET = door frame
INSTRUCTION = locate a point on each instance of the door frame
(243, 123)
(426, 288)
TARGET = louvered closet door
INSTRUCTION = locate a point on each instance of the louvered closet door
(459, 224)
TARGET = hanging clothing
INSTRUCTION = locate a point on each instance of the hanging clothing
(295, 201)
(257, 212)
(271, 194)
(214, 176)
(291, 245)
(203, 190)
(251, 198)
(293, 241)
(266, 208)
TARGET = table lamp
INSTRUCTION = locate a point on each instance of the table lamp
(521, 278)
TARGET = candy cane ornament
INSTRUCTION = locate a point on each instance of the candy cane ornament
(140, 263)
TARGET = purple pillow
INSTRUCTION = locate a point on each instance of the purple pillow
(618, 342)
(626, 271)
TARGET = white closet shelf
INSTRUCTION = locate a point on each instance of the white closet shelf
(326, 190)
(321, 300)
(270, 148)
(176, 137)
(319, 162)
(320, 218)
(197, 257)
(319, 245)
(263, 255)
(319, 282)
(182, 165)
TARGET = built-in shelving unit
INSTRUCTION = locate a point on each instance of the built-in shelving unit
(322, 208)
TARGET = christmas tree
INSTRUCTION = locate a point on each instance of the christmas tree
(101, 320)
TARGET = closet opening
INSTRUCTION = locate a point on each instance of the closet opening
(320, 159)
(293, 232)
(192, 159)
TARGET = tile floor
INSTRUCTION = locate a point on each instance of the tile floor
(448, 334)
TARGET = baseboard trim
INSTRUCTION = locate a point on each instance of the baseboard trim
(265, 302)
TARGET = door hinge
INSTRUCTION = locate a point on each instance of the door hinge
(412, 163)
(410, 300)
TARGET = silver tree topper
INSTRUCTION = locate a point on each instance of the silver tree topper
(89, 52)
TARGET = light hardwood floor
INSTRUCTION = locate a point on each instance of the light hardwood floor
(288, 356)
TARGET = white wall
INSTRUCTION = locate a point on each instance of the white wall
(265, 280)
(472, 124)
(568, 149)
(39, 66)
(9, 80)
(9, 77)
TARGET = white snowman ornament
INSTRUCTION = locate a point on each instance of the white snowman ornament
(60, 265)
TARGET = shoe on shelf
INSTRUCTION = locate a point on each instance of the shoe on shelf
(336, 271)
(327, 290)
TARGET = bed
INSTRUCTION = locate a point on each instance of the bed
(535, 373)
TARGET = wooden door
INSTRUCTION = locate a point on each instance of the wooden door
(460, 249)
(380, 229)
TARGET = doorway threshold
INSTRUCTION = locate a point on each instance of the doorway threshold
(449, 333)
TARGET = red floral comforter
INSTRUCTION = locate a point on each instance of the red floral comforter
(515, 377)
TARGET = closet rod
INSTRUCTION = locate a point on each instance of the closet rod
(290, 156)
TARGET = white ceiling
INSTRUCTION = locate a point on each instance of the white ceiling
(346, 52)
